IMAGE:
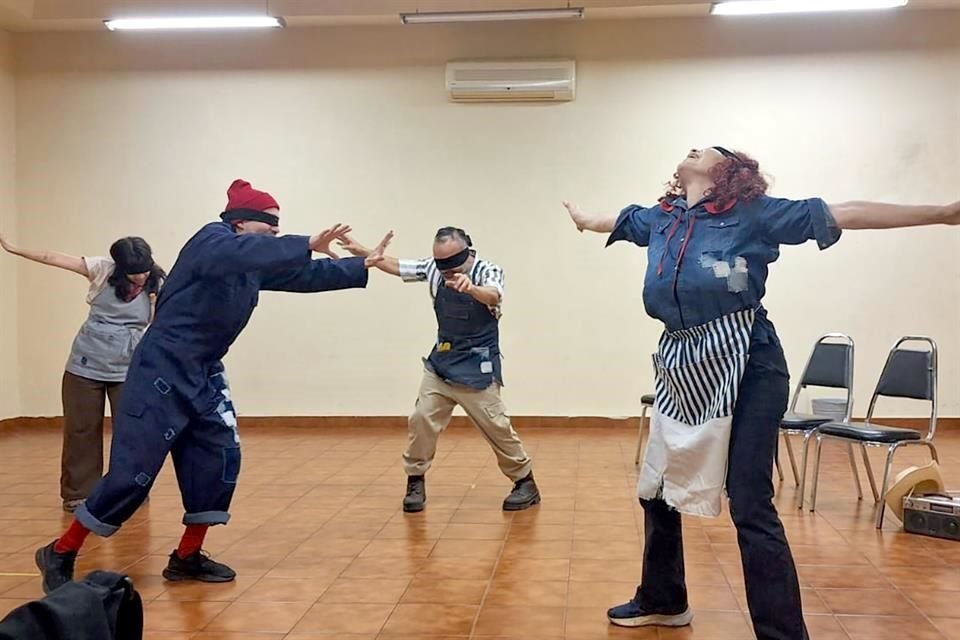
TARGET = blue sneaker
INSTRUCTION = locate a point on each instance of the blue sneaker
(632, 615)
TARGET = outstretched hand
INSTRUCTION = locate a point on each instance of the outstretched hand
(320, 243)
(354, 248)
(579, 219)
(375, 257)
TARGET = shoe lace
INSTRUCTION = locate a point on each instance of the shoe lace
(202, 558)
(520, 483)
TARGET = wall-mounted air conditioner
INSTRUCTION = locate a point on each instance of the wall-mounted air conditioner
(511, 80)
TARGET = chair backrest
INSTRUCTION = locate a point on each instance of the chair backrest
(912, 374)
(830, 365)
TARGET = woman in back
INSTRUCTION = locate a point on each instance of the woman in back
(122, 293)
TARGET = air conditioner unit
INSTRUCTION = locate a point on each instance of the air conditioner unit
(511, 81)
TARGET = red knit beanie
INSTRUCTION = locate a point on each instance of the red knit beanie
(241, 195)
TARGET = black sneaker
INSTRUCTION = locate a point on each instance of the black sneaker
(633, 615)
(524, 495)
(197, 566)
(56, 569)
(416, 496)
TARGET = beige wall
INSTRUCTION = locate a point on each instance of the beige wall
(9, 379)
(140, 134)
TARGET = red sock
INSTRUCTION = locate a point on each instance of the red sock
(192, 540)
(72, 539)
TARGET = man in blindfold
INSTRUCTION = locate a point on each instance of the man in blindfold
(464, 366)
(176, 399)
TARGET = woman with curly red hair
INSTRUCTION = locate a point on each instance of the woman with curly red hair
(722, 382)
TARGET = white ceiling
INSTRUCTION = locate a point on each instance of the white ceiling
(58, 15)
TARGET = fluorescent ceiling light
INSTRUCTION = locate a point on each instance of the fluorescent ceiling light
(765, 7)
(222, 22)
(491, 16)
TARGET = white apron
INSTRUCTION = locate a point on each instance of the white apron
(699, 371)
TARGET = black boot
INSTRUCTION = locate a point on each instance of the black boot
(197, 566)
(416, 494)
(524, 495)
(56, 569)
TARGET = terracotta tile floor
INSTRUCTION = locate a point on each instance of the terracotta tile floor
(323, 550)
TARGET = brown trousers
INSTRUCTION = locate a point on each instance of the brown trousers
(81, 463)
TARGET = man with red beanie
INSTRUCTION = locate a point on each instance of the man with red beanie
(177, 400)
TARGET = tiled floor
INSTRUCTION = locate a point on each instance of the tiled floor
(323, 550)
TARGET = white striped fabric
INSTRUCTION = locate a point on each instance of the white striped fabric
(698, 378)
(699, 370)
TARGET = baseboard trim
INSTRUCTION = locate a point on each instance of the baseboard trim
(335, 422)
(400, 422)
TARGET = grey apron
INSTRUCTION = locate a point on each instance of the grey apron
(105, 343)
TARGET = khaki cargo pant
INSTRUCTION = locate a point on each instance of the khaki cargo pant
(435, 405)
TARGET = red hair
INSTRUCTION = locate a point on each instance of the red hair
(732, 180)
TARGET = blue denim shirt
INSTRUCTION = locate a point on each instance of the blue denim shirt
(723, 267)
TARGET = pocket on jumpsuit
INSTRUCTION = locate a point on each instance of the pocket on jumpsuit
(130, 439)
(231, 465)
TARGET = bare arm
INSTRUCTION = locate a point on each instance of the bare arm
(51, 258)
(600, 223)
(390, 265)
(878, 215)
(461, 282)
(485, 295)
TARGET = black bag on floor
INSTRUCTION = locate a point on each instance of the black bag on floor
(103, 606)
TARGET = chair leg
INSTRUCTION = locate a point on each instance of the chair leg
(803, 467)
(793, 460)
(776, 463)
(933, 451)
(816, 474)
(643, 419)
(873, 482)
(856, 474)
(883, 488)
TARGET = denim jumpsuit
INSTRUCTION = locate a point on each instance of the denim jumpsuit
(176, 399)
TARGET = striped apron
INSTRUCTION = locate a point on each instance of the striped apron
(698, 378)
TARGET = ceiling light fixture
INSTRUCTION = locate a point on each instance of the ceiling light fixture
(492, 16)
(214, 22)
(768, 7)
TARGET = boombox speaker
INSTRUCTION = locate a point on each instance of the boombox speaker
(932, 514)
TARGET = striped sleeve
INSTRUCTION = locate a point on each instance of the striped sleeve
(417, 270)
(489, 275)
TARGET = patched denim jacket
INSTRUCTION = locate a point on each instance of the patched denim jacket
(705, 262)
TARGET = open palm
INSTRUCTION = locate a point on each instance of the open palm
(321, 242)
(375, 257)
